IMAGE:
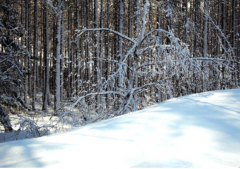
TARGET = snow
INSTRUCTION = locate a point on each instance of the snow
(199, 130)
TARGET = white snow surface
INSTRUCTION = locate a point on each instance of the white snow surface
(199, 130)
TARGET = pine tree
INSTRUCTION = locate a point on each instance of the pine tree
(11, 73)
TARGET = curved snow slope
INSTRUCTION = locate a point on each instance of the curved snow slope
(200, 130)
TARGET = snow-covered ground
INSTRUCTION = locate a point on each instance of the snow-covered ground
(41, 118)
(200, 130)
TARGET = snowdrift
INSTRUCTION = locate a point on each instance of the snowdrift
(199, 130)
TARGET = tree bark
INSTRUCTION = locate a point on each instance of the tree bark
(29, 50)
(62, 51)
(69, 52)
(205, 38)
(26, 58)
(46, 89)
(58, 56)
(77, 49)
(4, 119)
(35, 53)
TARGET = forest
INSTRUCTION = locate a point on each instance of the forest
(82, 61)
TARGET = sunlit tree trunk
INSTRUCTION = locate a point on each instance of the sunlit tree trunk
(58, 51)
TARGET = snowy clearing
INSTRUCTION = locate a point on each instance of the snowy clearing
(200, 130)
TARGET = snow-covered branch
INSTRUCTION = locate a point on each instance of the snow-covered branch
(80, 32)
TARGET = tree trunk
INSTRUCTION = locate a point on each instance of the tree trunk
(121, 17)
(26, 58)
(46, 60)
(87, 71)
(96, 70)
(224, 26)
(108, 67)
(130, 79)
(78, 50)
(195, 36)
(58, 51)
(100, 62)
(4, 119)
(35, 53)
(205, 38)
(234, 21)
(62, 52)
(29, 50)
(69, 56)
(205, 33)
(22, 39)
(136, 59)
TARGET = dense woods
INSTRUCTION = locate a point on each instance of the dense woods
(108, 58)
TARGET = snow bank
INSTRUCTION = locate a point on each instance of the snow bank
(200, 130)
